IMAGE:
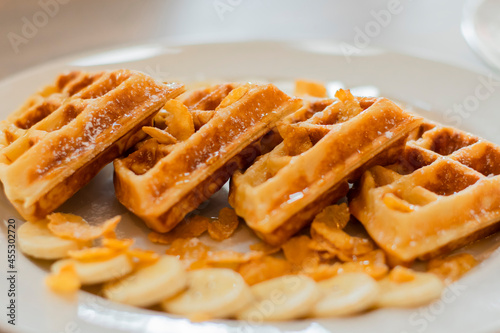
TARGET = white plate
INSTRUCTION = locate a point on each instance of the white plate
(473, 304)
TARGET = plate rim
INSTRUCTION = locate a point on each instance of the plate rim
(66, 60)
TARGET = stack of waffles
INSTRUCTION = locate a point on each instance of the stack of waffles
(324, 144)
(442, 193)
(165, 179)
(66, 133)
(419, 189)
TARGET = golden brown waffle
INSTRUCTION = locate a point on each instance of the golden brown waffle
(324, 144)
(163, 181)
(443, 193)
(59, 148)
(43, 103)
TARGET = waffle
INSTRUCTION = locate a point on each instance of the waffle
(163, 181)
(324, 144)
(443, 192)
(42, 104)
(66, 133)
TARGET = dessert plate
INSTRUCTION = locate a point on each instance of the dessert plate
(447, 94)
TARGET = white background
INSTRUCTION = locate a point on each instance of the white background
(426, 28)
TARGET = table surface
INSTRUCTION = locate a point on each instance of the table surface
(36, 31)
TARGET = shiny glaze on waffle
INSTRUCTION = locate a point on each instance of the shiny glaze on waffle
(442, 193)
(325, 143)
(172, 180)
(95, 123)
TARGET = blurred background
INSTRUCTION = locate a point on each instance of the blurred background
(36, 31)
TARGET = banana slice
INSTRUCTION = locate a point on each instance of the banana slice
(149, 285)
(215, 292)
(98, 271)
(346, 294)
(36, 240)
(424, 288)
(282, 298)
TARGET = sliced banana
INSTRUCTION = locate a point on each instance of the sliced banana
(149, 285)
(98, 271)
(346, 294)
(36, 240)
(424, 288)
(282, 298)
(215, 292)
